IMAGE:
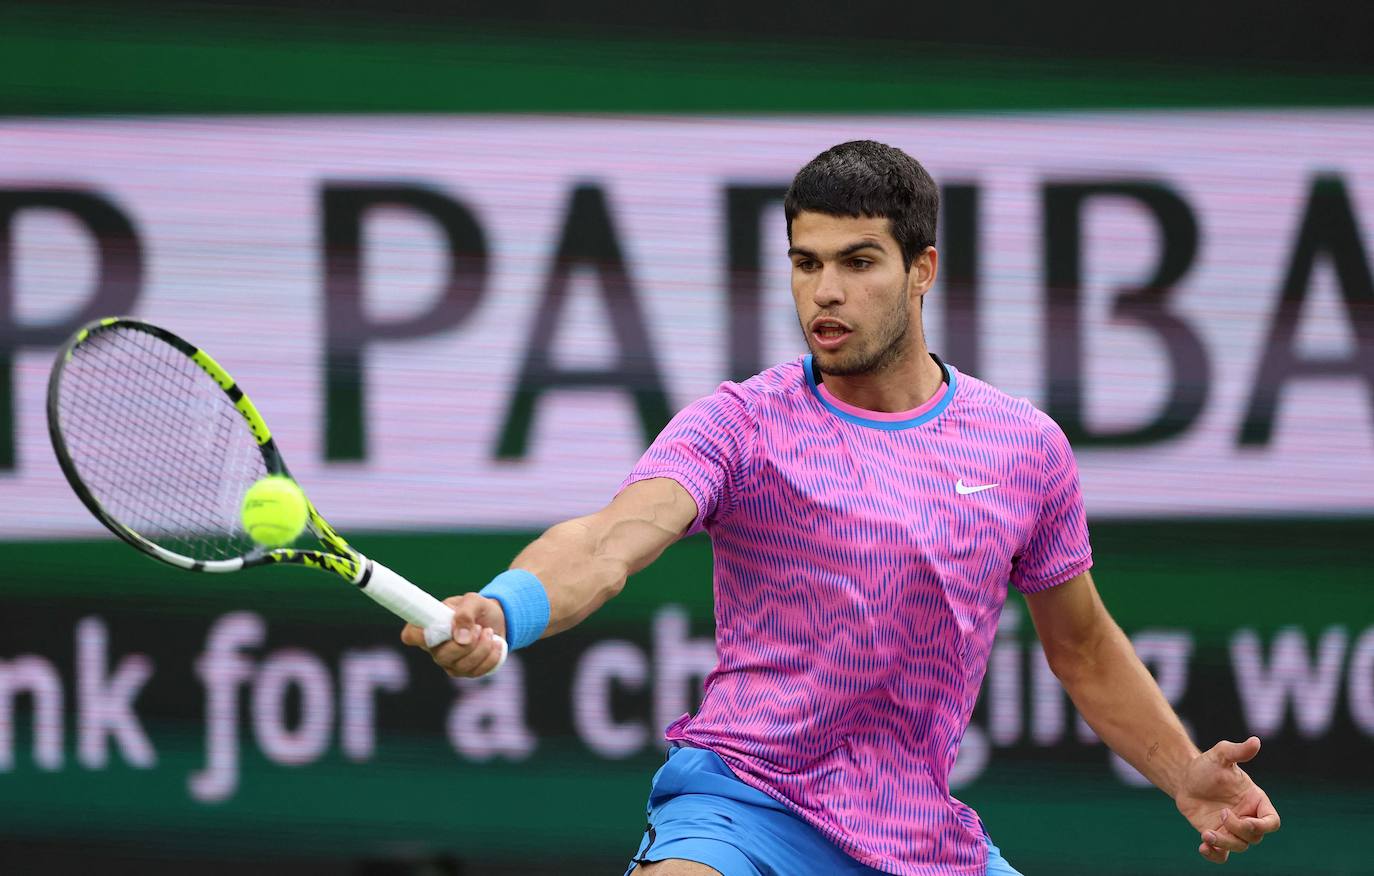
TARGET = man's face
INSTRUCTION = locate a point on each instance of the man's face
(852, 292)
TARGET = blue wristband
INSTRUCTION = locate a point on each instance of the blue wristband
(524, 603)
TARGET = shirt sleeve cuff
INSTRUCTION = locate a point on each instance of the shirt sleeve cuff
(1035, 585)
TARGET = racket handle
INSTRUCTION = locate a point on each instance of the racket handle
(415, 606)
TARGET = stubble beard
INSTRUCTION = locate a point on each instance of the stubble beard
(888, 349)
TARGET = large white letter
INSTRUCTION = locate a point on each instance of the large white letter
(36, 677)
(680, 665)
(362, 673)
(488, 719)
(222, 669)
(1264, 692)
(1361, 682)
(105, 702)
(603, 664)
(282, 670)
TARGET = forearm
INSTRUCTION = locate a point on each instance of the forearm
(1120, 700)
(584, 562)
(577, 573)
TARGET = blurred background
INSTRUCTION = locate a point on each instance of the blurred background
(469, 258)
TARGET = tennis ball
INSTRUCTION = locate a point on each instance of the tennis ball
(274, 511)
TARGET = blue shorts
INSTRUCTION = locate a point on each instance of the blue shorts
(700, 811)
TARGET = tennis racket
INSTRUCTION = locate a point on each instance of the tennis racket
(161, 444)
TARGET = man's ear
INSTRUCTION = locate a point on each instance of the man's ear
(924, 269)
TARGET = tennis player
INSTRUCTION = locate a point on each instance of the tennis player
(868, 505)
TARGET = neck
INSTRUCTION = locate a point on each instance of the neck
(905, 384)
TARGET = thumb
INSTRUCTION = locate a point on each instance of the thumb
(1237, 752)
(470, 611)
(462, 610)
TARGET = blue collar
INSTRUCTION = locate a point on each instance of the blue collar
(951, 377)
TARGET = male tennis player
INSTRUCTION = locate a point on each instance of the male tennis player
(868, 505)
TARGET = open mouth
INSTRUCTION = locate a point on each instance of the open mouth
(829, 333)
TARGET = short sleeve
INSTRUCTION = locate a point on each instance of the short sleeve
(1058, 546)
(707, 449)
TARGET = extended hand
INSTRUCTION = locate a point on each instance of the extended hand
(472, 651)
(1229, 810)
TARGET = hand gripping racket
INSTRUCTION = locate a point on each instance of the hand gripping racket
(161, 444)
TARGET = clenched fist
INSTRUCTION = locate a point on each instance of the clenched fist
(473, 650)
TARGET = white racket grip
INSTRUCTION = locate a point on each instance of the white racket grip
(415, 606)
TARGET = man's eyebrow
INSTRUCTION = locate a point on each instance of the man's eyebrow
(844, 253)
(862, 244)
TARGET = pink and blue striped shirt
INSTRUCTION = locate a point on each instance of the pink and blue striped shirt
(861, 563)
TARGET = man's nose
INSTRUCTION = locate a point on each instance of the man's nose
(829, 289)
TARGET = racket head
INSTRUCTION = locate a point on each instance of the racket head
(160, 444)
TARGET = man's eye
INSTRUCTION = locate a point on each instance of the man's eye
(861, 264)
(806, 265)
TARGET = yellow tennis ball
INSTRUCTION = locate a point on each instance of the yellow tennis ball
(274, 511)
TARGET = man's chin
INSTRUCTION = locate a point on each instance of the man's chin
(838, 364)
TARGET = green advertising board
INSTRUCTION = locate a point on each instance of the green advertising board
(334, 741)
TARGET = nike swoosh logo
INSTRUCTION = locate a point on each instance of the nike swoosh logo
(963, 490)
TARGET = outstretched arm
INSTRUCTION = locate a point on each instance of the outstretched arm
(585, 561)
(1119, 699)
(582, 563)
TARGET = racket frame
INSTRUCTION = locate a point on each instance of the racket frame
(340, 558)
(385, 586)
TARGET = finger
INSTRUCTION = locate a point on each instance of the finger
(490, 665)
(462, 611)
(1224, 839)
(1261, 825)
(449, 654)
(1237, 827)
(413, 636)
(1251, 830)
(1237, 752)
(483, 649)
(1240, 828)
(471, 610)
(1216, 856)
(1267, 814)
(470, 666)
(465, 634)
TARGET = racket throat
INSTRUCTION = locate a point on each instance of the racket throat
(364, 576)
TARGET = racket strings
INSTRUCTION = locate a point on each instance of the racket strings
(158, 444)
